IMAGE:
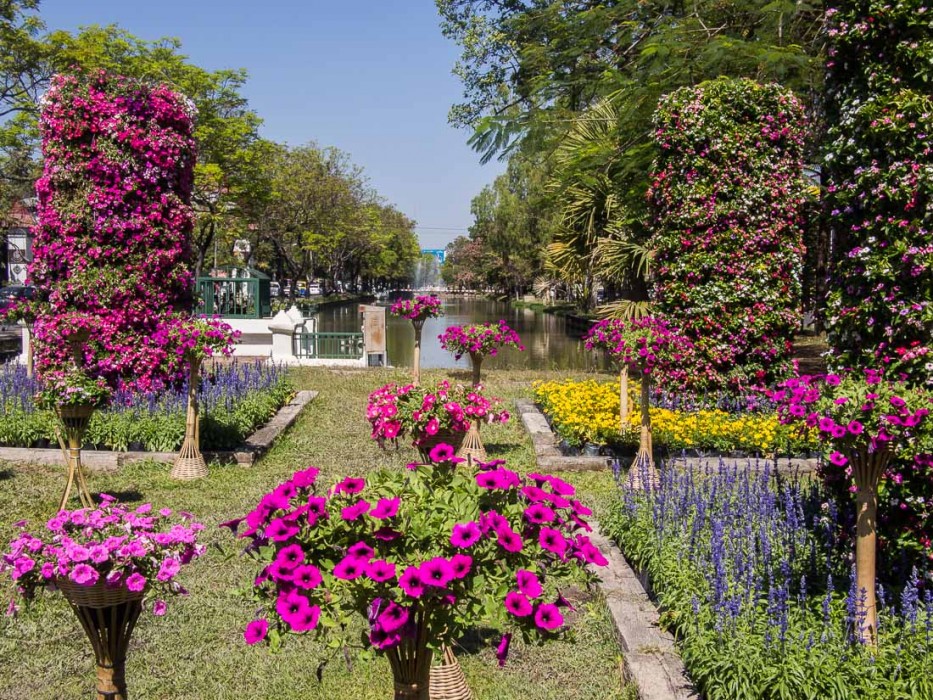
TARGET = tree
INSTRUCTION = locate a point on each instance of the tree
(466, 264)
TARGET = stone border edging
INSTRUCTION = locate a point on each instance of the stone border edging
(651, 659)
(548, 456)
(110, 461)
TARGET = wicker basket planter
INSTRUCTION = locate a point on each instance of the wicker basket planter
(454, 438)
(447, 679)
(108, 616)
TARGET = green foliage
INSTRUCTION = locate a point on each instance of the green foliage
(879, 200)
(727, 192)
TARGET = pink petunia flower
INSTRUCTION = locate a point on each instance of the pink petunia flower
(256, 631)
(548, 617)
(517, 604)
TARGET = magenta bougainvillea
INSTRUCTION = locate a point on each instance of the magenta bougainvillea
(112, 247)
(726, 194)
(418, 309)
(879, 202)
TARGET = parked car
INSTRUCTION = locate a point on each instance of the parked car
(14, 293)
(314, 289)
(275, 290)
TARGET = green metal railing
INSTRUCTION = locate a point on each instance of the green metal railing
(329, 346)
(237, 297)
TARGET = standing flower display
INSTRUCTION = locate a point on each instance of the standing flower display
(865, 420)
(417, 311)
(646, 347)
(416, 557)
(479, 340)
(195, 339)
(105, 562)
(441, 413)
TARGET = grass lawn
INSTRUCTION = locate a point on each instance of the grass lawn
(196, 651)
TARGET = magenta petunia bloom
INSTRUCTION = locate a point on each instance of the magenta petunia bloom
(351, 485)
(509, 540)
(280, 530)
(502, 650)
(548, 617)
(561, 487)
(305, 477)
(356, 510)
(136, 582)
(412, 583)
(290, 605)
(488, 480)
(517, 604)
(552, 540)
(290, 556)
(385, 508)
(460, 565)
(442, 452)
(158, 608)
(307, 576)
(361, 550)
(856, 428)
(85, 575)
(392, 617)
(436, 572)
(465, 535)
(256, 631)
(380, 570)
(168, 569)
(538, 514)
(839, 459)
(528, 583)
(386, 534)
(305, 620)
(317, 506)
(350, 568)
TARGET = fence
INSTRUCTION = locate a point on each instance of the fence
(328, 346)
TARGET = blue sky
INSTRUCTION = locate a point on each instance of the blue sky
(371, 77)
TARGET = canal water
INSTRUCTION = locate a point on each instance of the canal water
(550, 342)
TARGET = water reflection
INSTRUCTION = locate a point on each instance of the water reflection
(549, 341)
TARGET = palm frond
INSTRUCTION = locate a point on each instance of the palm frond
(626, 309)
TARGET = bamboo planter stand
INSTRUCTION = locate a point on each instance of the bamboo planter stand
(75, 420)
(418, 324)
(190, 462)
(108, 617)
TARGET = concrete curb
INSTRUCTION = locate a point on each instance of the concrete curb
(650, 657)
(548, 456)
(107, 461)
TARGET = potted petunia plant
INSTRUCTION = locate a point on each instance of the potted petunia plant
(865, 420)
(195, 339)
(441, 412)
(645, 347)
(479, 340)
(106, 562)
(417, 310)
(419, 557)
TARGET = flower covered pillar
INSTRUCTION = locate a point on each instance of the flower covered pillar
(418, 311)
(865, 420)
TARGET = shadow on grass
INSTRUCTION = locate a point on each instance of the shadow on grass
(6, 474)
(127, 496)
(477, 639)
(498, 448)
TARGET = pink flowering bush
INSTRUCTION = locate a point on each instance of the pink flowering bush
(480, 339)
(438, 551)
(112, 246)
(646, 346)
(854, 411)
(424, 411)
(72, 387)
(727, 196)
(417, 309)
(140, 550)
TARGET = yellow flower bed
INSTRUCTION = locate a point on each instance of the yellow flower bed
(588, 411)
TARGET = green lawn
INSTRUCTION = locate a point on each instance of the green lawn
(196, 652)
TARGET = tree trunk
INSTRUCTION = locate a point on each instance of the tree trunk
(416, 361)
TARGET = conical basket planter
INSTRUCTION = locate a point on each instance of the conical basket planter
(75, 420)
(472, 449)
(454, 438)
(190, 464)
(447, 679)
(108, 616)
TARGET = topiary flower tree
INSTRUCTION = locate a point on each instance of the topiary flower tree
(865, 420)
(646, 347)
(879, 194)
(419, 557)
(418, 310)
(479, 340)
(727, 193)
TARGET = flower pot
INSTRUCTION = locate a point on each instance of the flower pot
(426, 443)
(108, 616)
(447, 679)
(591, 449)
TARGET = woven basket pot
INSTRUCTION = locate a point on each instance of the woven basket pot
(447, 679)
(454, 438)
(108, 616)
